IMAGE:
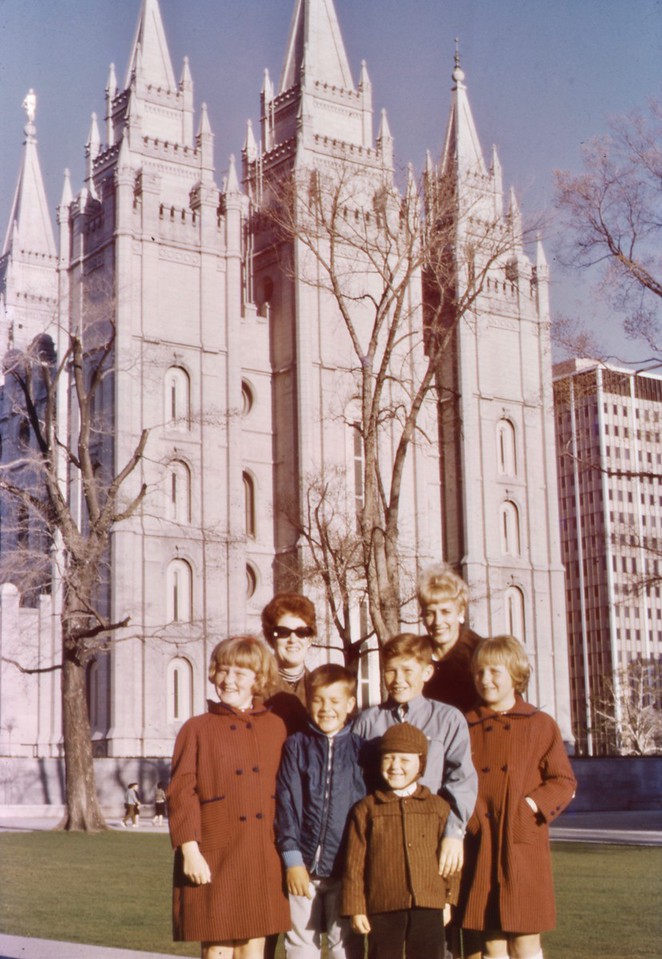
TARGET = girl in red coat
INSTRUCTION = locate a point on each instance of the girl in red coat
(228, 887)
(524, 781)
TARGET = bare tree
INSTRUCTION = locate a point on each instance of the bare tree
(613, 215)
(628, 712)
(63, 477)
(401, 283)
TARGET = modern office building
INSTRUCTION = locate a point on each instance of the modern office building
(609, 448)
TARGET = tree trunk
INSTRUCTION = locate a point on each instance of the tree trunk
(83, 812)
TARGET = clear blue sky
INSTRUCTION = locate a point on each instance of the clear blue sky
(543, 76)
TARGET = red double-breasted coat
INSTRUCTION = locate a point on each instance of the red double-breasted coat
(222, 794)
(507, 874)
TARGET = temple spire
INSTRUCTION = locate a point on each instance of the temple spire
(149, 52)
(462, 153)
(315, 31)
(29, 219)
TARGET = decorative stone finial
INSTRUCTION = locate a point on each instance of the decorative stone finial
(458, 72)
(30, 105)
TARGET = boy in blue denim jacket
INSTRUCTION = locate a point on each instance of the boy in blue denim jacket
(319, 781)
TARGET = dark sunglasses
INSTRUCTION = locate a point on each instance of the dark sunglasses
(284, 632)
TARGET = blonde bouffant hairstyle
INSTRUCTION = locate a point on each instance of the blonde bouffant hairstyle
(507, 651)
(438, 583)
(247, 652)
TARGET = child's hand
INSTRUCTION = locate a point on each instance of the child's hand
(451, 857)
(195, 866)
(361, 924)
(298, 882)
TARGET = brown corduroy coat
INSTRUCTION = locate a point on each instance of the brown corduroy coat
(392, 858)
(507, 874)
(222, 794)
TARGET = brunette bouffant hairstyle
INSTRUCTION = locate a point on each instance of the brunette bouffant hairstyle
(247, 652)
(507, 651)
(409, 645)
(283, 604)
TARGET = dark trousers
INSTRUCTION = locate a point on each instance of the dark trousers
(406, 934)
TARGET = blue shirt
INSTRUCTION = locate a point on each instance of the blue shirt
(449, 770)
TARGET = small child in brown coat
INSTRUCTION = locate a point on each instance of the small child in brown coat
(392, 888)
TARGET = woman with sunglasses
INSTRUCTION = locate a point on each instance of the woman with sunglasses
(289, 626)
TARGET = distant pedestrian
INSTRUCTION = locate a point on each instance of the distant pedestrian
(524, 781)
(131, 806)
(159, 804)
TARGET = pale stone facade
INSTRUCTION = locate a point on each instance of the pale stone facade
(238, 366)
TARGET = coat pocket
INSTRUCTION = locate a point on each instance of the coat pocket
(215, 824)
(528, 826)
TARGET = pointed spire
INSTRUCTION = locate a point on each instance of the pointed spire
(93, 145)
(385, 141)
(541, 260)
(250, 146)
(29, 219)
(364, 79)
(204, 127)
(384, 128)
(515, 216)
(186, 80)
(232, 180)
(315, 32)
(111, 84)
(67, 193)
(267, 87)
(462, 153)
(149, 54)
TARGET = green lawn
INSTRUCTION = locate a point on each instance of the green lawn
(117, 889)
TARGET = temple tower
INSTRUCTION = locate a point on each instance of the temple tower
(498, 475)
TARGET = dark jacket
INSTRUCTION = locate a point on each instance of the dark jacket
(393, 854)
(452, 681)
(507, 875)
(319, 781)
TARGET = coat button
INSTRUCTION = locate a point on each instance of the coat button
(233, 728)
(488, 729)
(256, 769)
(485, 769)
(507, 726)
(242, 819)
(504, 769)
(240, 772)
(249, 725)
(258, 815)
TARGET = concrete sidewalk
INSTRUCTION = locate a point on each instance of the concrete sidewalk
(18, 947)
(627, 827)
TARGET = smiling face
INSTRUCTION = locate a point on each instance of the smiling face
(330, 706)
(443, 617)
(405, 677)
(495, 686)
(290, 648)
(400, 769)
(234, 686)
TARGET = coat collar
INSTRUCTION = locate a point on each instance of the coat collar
(388, 796)
(221, 709)
(341, 734)
(482, 714)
